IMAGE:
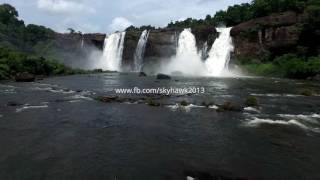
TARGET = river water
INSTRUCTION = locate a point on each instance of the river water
(54, 129)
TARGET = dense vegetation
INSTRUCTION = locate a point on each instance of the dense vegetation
(288, 65)
(240, 13)
(304, 60)
(13, 62)
(27, 48)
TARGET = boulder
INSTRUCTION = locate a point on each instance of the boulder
(229, 106)
(108, 99)
(163, 76)
(142, 74)
(251, 101)
(316, 77)
(25, 77)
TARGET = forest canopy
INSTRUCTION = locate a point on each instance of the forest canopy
(240, 13)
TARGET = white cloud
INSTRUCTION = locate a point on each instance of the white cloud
(64, 6)
(119, 24)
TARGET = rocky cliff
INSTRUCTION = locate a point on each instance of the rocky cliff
(274, 35)
(77, 40)
(162, 43)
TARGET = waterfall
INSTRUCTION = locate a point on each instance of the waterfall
(112, 52)
(139, 53)
(219, 55)
(187, 60)
(82, 42)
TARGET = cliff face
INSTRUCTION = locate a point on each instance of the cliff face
(77, 40)
(273, 35)
(260, 37)
(75, 49)
(130, 43)
(162, 43)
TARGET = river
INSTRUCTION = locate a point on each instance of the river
(55, 129)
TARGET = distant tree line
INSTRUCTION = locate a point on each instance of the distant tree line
(240, 13)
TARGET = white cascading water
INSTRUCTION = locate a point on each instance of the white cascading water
(187, 60)
(139, 53)
(219, 55)
(112, 52)
(82, 43)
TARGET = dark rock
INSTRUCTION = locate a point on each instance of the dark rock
(12, 103)
(316, 77)
(107, 99)
(98, 71)
(25, 77)
(307, 92)
(161, 45)
(163, 76)
(152, 102)
(142, 74)
(229, 106)
(207, 104)
(205, 35)
(130, 43)
(251, 101)
(184, 103)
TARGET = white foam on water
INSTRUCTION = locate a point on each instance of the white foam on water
(312, 118)
(54, 90)
(257, 121)
(184, 108)
(190, 178)
(28, 106)
(252, 109)
(213, 107)
(276, 95)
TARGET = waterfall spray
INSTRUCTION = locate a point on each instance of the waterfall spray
(219, 55)
(112, 52)
(187, 60)
(139, 53)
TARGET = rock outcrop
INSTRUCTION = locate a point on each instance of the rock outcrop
(259, 37)
(205, 37)
(274, 35)
(25, 77)
(162, 43)
(76, 40)
(130, 43)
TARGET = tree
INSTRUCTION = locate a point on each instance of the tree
(8, 14)
(72, 31)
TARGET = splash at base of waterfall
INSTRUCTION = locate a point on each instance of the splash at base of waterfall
(188, 61)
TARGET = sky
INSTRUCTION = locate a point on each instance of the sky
(107, 16)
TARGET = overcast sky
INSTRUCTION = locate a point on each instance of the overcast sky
(112, 15)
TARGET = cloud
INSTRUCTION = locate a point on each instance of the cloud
(64, 6)
(119, 24)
